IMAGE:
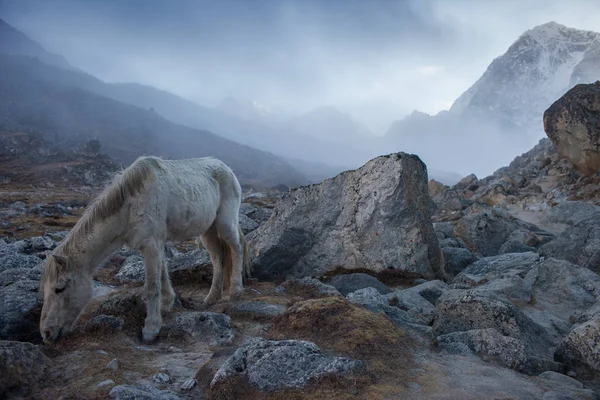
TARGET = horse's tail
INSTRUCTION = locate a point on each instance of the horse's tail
(247, 263)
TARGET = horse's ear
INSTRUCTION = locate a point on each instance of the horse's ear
(60, 260)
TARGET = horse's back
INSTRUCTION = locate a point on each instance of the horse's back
(189, 194)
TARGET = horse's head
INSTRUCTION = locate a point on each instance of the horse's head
(67, 289)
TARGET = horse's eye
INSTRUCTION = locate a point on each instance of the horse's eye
(59, 290)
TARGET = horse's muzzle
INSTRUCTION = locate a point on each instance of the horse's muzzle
(50, 335)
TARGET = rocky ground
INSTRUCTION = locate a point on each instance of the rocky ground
(375, 284)
(508, 323)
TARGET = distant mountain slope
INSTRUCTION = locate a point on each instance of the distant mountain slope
(35, 97)
(259, 133)
(13, 41)
(328, 123)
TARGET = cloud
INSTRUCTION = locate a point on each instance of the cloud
(380, 59)
(429, 69)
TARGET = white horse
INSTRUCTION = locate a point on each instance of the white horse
(149, 203)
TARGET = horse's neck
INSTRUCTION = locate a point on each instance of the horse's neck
(102, 240)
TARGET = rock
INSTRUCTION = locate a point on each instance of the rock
(465, 310)
(257, 214)
(207, 326)
(114, 364)
(10, 276)
(40, 244)
(562, 287)
(457, 259)
(128, 392)
(430, 290)
(561, 380)
(15, 260)
(247, 224)
(488, 344)
(376, 217)
(20, 309)
(372, 300)
(578, 244)
(573, 212)
(580, 348)
(108, 382)
(469, 182)
(435, 188)
(132, 271)
(192, 267)
(488, 269)
(288, 364)
(127, 305)
(22, 365)
(453, 242)
(188, 384)
(419, 301)
(349, 283)
(444, 229)
(449, 203)
(105, 323)
(161, 378)
(573, 124)
(515, 246)
(579, 316)
(257, 309)
(367, 295)
(485, 229)
(529, 238)
(310, 286)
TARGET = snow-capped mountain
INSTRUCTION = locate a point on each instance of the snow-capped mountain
(537, 69)
(500, 116)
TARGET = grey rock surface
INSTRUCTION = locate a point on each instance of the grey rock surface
(376, 217)
(274, 365)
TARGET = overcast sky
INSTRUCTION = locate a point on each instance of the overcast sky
(378, 59)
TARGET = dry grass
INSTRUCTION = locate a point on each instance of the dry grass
(340, 328)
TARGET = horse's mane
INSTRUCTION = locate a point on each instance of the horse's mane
(127, 183)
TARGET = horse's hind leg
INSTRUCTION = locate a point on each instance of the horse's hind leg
(154, 260)
(211, 242)
(227, 227)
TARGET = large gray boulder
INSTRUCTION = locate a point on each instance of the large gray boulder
(457, 259)
(573, 124)
(485, 229)
(562, 287)
(349, 283)
(273, 365)
(20, 308)
(21, 367)
(488, 344)
(580, 349)
(578, 244)
(573, 212)
(374, 301)
(502, 275)
(215, 328)
(419, 301)
(377, 217)
(465, 310)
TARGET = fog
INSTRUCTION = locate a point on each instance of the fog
(374, 60)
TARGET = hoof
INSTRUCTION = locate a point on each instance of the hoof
(235, 296)
(149, 336)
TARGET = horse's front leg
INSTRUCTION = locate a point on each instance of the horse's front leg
(154, 260)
